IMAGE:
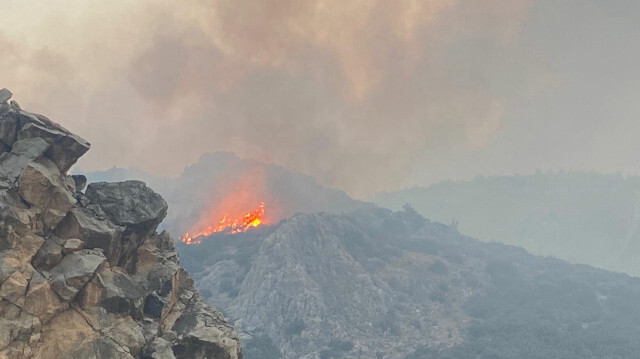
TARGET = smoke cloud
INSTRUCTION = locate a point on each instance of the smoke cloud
(364, 95)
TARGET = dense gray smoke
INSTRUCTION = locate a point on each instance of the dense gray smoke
(363, 95)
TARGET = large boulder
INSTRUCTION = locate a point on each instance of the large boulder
(49, 254)
(96, 233)
(132, 205)
(74, 271)
(66, 147)
(13, 163)
(42, 185)
(129, 204)
(116, 292)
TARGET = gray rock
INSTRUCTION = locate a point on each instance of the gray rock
(127, 334)
(80, 223)
(25, 246)
(49, 254)
(30, 148)
(41, 300)
(51, 217)
(159, 277)
(82, 199)
(122, 295)
(8, 129)
(34, 130)
(201, 333)
(74, 271)
(28, 117)
(8, 265)
(154, 305)
(5, 95)
(67, 150)
(72, 245)
(200, 336)
(14, 287)
(116, 292)
(16, 217)
(14, 105)
(80, 181)
(23, 153)
(41, 185)
(130, 204)
(159, 349)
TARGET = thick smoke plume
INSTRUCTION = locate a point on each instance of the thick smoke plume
(364, 95)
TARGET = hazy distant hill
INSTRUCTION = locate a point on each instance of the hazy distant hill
(582, 217)
(377, 284)
(221, 176)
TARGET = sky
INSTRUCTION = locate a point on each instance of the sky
(364, 95)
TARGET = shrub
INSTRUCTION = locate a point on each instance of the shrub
(295, 328)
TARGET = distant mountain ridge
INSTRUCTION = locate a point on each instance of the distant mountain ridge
(585, 217)
(219, 175)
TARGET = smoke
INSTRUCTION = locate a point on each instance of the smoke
(360, 94)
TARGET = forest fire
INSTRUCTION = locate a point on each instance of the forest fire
(229, 224)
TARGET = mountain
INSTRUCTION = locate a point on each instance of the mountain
(85, 274)
(217, 179)
(584, 218)
(373, 283)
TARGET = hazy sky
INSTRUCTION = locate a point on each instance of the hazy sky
(363, 95)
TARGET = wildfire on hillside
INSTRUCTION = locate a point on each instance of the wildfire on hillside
(228, 223)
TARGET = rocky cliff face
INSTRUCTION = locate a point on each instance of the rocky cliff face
(379, 284)
(85, 275)
(328, 286)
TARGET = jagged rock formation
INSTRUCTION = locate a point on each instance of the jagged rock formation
(322, 286)
(85, 275)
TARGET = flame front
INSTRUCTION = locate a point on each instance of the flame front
(228, 225)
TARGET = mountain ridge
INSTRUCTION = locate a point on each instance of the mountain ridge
(372, 283)
(219, 174)
(582, 217)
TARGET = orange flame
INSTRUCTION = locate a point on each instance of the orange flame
(228, 225)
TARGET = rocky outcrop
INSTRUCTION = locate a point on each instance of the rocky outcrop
(335, 286)
(86, 275)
